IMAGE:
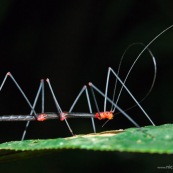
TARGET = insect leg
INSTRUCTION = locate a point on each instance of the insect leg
(95, 101)
(42, 96)
(108, 76)
(89, 104)
(25, 97)
(3, 82)
(41, 87)
(58, 107)
(110, 69)
(109, 100)
(23, 94)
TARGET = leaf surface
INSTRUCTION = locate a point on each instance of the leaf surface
(149, 139)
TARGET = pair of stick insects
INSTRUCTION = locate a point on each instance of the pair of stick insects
(64, 116)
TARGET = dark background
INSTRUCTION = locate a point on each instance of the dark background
(74, 42)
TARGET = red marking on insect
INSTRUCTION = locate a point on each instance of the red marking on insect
(41, 117)
(104, 115)
(63, 116)
(8, 74)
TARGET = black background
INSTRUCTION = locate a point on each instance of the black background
(74, 42)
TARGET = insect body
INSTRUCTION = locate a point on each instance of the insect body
(53, 115)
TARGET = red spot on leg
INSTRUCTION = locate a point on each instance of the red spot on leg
(41, 117)
(63, 116)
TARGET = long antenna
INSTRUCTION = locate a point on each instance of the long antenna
(152, 84)
(146, 48)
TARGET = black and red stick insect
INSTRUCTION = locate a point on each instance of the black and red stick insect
(65, 115)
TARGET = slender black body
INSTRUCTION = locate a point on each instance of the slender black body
(47, 116)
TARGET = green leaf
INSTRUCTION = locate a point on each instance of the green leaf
(149, 139)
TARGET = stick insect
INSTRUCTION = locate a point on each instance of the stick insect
(63, 116)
